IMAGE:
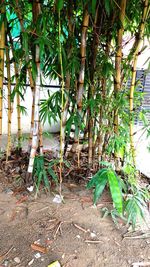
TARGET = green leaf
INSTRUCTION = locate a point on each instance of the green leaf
(115, 191)
(93, 7)
(107, 6)
(39, 179)
(100, 187)
(105, 163)
(59, 5)
(46, 181)
(53, 174)
(96, 179)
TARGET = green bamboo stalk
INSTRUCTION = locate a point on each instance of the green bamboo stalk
(8, 151)
(137, 47)
(35, 135)
(118, 68)
(62, 107)
(68, 76)
(80, 89)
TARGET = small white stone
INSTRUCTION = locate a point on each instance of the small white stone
(30, 188)
(37, 255)
(93, 235)
(78, 236)
(30, 262)
(58, 199)
(17, 260)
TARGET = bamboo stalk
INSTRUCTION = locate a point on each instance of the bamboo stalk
(8, 151)
(40, 139)
(36, 12)
(31, 81)
(62, 107)
(32, 85)
(68, 76)
(80, 89)
(118, 60)
(36, 115)
(2, 47)
(102, 110)
(19, 133)
(94, 47)
(83, 59)
(138, 42)
(100, 134)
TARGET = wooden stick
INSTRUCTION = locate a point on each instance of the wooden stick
(39, 248)
(93, 241)
(5, 254)
(58, 229)
(80, 228)
(138, 264)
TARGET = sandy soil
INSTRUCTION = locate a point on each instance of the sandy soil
(72, 232)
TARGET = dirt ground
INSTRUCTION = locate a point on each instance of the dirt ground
(72, 232)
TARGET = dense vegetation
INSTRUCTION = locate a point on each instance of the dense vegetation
(80, 43)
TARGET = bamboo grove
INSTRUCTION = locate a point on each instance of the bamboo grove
(81, 44)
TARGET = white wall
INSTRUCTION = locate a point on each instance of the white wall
(142, 58)
(26, 119)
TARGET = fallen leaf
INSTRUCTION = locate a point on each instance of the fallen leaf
(39, 248)
(22, 199)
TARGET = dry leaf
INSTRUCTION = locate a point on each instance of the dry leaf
(39, 248)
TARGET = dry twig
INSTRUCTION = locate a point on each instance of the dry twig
(39, 248)
(140, 264)
(2, 257)
(58, 229)
(80, 228)
(93, 241)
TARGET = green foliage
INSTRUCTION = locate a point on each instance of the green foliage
(99, 181)
(59, 5)
(50, 108)
(40, 174)
(129, 200)
(135, 205)
(98, 102)
(94, 7)
(114, 215)
(44, 172)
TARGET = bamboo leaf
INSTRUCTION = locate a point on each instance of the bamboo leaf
(115, 191)
(96, 179)
(59, 5)
(107, 6)
(46, 181)
(100, 187)
(53, 174)
(94, 6)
